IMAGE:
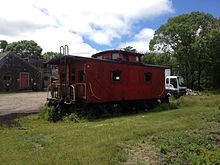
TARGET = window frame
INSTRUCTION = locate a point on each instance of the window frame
(148, 77)
(114, 77)
(116, 56)
(7, 78)
(81, 76)
(167, 81)
(172, 81)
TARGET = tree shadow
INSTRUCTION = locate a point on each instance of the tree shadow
(11, 120)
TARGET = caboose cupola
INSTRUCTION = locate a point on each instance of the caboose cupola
(119, 55)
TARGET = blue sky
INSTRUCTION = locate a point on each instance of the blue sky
(179, 7)
(92, 26)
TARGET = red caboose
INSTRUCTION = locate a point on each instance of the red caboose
(113, 76)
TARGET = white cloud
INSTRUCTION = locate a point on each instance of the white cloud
(49, 22)
(140, 41)
(52, 38)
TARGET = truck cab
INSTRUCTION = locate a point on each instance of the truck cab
(175, 85)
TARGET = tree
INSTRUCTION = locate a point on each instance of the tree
(187, 38)
(157, 58)
(214, 57)
(3, 44)
(129, 49)
(163, 59)
(50, 55)
(26, 49)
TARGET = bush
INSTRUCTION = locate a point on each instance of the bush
(166, 106)
(173, 106)
(162, 106)
(186, 101)
(50, 113)
(72, 117)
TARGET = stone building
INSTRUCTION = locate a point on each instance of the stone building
(46, 70)
(18, 74)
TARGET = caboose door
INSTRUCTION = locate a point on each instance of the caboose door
(81, 91)
(81, 85)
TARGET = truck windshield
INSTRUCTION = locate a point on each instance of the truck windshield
(181, 81)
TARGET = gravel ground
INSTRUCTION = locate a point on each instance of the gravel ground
(21, 102)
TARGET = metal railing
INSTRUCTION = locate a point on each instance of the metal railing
(61, 91)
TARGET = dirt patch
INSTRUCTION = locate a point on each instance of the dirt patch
(21, 102)
(141, 152)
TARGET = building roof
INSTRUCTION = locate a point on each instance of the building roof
(126, 53)
(3, 54)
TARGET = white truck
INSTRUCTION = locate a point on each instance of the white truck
(175, 85)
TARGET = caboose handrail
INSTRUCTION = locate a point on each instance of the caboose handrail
(58, 88)
(74, 93)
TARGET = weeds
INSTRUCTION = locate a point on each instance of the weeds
(72, 117)
(50, 113)
(191, 147)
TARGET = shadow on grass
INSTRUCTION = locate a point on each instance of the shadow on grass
(11, 120)
(98, 112)
(104, 115)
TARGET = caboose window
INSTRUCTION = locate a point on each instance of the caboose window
(115, 56)
(147, 77)
(81, 75)
(116, 75)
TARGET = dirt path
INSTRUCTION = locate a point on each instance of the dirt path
(21, 102)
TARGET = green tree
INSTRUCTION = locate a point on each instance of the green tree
(26, 49)
(163, 59)
(50, 55)
(3, 44)
(187, 38)
(157, 58)
(214, 57)
(129, 49)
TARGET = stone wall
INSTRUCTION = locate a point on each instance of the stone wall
(10, 69)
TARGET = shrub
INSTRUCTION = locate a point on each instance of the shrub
(50, 113)
(166, 106)
(162, 106)
(186, 101)
(173, 105)
(72, 117)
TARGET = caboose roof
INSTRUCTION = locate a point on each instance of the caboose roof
(126, 53)
(71, 58)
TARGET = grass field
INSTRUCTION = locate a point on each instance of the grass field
(187, 135)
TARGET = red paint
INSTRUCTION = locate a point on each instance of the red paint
(93, 78)
(24, 80)
(132, 84)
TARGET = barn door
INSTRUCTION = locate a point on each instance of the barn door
(24, 80)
